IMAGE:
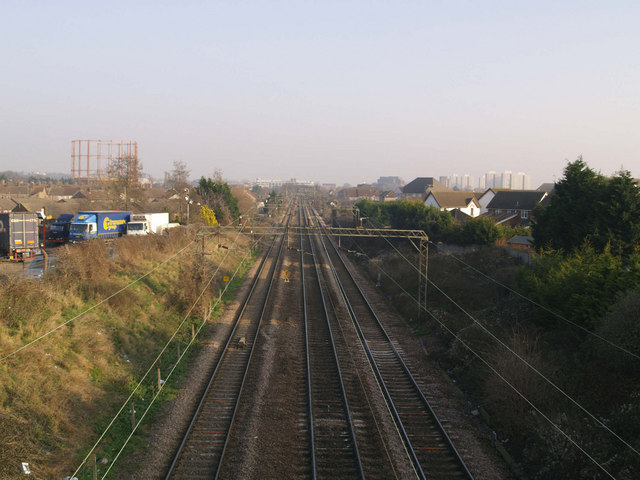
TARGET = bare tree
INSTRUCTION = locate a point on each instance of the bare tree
(124, 181)
(178, 178)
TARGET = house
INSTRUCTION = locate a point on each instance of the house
(79, 195)
(20, 208)
(15, 191)
(38, 191)
(6, 204)
(487, 196)
(362, 192)
(97, 195)
(465, 202)
(514, 207)
(389, 183)
(417, 188)
(547, 187)
(388, 196)
(63, 192)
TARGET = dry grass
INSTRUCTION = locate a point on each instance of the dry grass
(53, 392)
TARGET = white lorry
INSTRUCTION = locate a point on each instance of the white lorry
(146, 223)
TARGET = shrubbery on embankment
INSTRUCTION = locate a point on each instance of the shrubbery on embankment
(58, 394)
(590, 350)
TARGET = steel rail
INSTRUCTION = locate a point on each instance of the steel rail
(262, 312)
(330, 338)
(314, 473)
(396, 414)
(240, 312)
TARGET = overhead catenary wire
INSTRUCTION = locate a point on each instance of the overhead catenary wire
(350, 353)
(398, 428)
(523, 360)
(157, 359)
(421, 307)
(485, 362)
(532, 301)
(546, 309)
(521, 395)
(169, 374)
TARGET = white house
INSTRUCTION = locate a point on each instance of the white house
(466, 202)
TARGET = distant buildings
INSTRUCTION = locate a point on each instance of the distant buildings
(491, 179)
(389, 183)
(271, 184)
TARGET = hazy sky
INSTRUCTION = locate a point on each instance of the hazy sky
(343, 91)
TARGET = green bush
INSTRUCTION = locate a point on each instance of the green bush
(438, 225)
(583, 285)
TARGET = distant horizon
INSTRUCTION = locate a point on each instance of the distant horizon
(551, 178)
(539, 180)
(334, 92)
(193, 179)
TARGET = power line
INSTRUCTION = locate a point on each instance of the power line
(521, 395)
(561, 391)
(157, 359)
(41, 337)
(548, 310)
(105, 299)
(443, 325)
(176, 364)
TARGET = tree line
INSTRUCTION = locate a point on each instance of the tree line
(439, 225)
(584, 280)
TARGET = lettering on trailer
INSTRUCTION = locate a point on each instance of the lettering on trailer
(109, 224)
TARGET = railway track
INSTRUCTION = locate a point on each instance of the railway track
(336, 422)
(427, 443)
(334, 447)
(202, 449)
(374, 460)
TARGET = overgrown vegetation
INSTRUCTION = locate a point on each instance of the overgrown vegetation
(601, 378)
(582, 285)
(571, 355)
(588, 207)
(208, 216)
(216, 194)
(57, 395)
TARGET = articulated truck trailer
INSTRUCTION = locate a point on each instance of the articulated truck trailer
(98, 224)
(18, 234)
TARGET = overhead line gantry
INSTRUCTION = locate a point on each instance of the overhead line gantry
(418, 239)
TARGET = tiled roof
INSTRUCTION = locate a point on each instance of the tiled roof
(8, 190)
(421, 184)
(63, 190)
(453, 199)
(505, 217)
(516, 200)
